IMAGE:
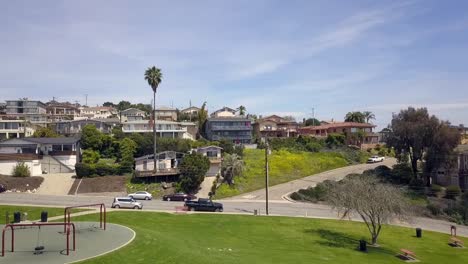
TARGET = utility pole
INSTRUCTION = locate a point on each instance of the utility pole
(267, 150)
(86, 96)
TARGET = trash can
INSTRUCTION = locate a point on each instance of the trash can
(418, 232)
(255, 212)
(44, 216)
(16, 217)
(362, 245)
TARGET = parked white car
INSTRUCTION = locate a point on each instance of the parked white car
(141, 196)
(126, 202)
(375, 159)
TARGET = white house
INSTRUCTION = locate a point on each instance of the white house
(15, 129)
(224, 112)
(131, 114)
(51, 155)
(163, 128)
(98, 112)
(214, 154)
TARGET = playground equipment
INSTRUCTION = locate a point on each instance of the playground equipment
(102, 214)
(38, 249)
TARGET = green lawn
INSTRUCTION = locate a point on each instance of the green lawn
(34, 213)
(284, 166)
(207, 238)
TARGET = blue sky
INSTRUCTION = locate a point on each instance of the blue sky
(282, 57)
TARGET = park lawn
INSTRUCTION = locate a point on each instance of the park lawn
(209, 238)
(284, 166)
(34, 213)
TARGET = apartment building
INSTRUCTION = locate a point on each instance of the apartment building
(57, 111)
(33, 111)
(164, 128)
(235, 129)
(15, 128)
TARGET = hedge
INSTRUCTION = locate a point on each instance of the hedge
(85, 170)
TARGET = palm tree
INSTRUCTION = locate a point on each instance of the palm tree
(241, 110)
(231, 166)
(153, 76)
(357, 117)
(368, 115)
(202, 116)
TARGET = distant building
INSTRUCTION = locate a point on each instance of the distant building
(166, 113)
(51, 155)
(190, 110)
(74, 127)
(98, 112)
(369, 140)
(15, 128)
(32, 111)
(131, 114)
(167, 166)
(57, 111)
(454, 173)
(235, 129)
(224, 112)
(275, 126)
(214, 154)
(168, 129)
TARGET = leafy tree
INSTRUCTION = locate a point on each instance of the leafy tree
(231, 166)
(90, 156)
(193, 169)
(368, 115)
(45, 132)
(143, 107)
(117, 133)
(109, 104)
(154, 76)
(202, 116)
(312, 122)
(357, 117)
(376, 203)
(289, 118)
(335, 140)
(122, 105)
(91, 138)
(21, 170)
(414, 133)
(227, 145)
(241, 110)
(127, 150)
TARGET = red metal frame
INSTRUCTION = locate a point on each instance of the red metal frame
(12, 227)
(102, 214)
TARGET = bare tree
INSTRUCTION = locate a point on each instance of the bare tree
(376, 203)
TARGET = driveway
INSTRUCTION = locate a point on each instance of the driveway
(56, 183)
(277, 192)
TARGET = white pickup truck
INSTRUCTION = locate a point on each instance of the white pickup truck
(375, 159)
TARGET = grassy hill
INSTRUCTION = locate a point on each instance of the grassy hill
(284, 166)
(209, 238)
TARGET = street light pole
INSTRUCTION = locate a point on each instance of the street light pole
(267, 149)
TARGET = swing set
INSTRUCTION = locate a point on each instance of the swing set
(102, 214)
(39, 248)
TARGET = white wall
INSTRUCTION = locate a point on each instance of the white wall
(69, 160)
(6, 167)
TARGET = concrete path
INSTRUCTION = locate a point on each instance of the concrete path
(56, 184)
(278, 191)
(205, 187)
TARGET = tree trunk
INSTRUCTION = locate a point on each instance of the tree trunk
(374, 239)
(154, 132)
(414, 166)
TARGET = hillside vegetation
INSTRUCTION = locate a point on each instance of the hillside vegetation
(284, 166)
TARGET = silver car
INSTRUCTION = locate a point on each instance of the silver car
(141, 196)
(126, 202)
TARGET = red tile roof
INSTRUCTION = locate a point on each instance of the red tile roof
(339, 125)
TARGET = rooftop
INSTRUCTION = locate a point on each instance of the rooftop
(340, 125)
(54, 141)
(234, 118)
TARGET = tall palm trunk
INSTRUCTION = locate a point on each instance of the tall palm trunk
(154, 132)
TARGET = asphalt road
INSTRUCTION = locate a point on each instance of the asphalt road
(277, 208)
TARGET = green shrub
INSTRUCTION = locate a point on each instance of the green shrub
(313, 146)
(84, 170)
(334, 140)
(417, 184)
(90, 156)
(104, 169)
(452, 191)
(434, 209)
(21, 170)
(435, 189)
(402, 173)
(383, 171)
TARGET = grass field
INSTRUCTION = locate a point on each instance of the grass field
(205, 238)
(284, 166)
(34, 213)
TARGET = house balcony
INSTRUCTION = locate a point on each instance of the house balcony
(230, 128)
(150, 130)
(231, 137)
